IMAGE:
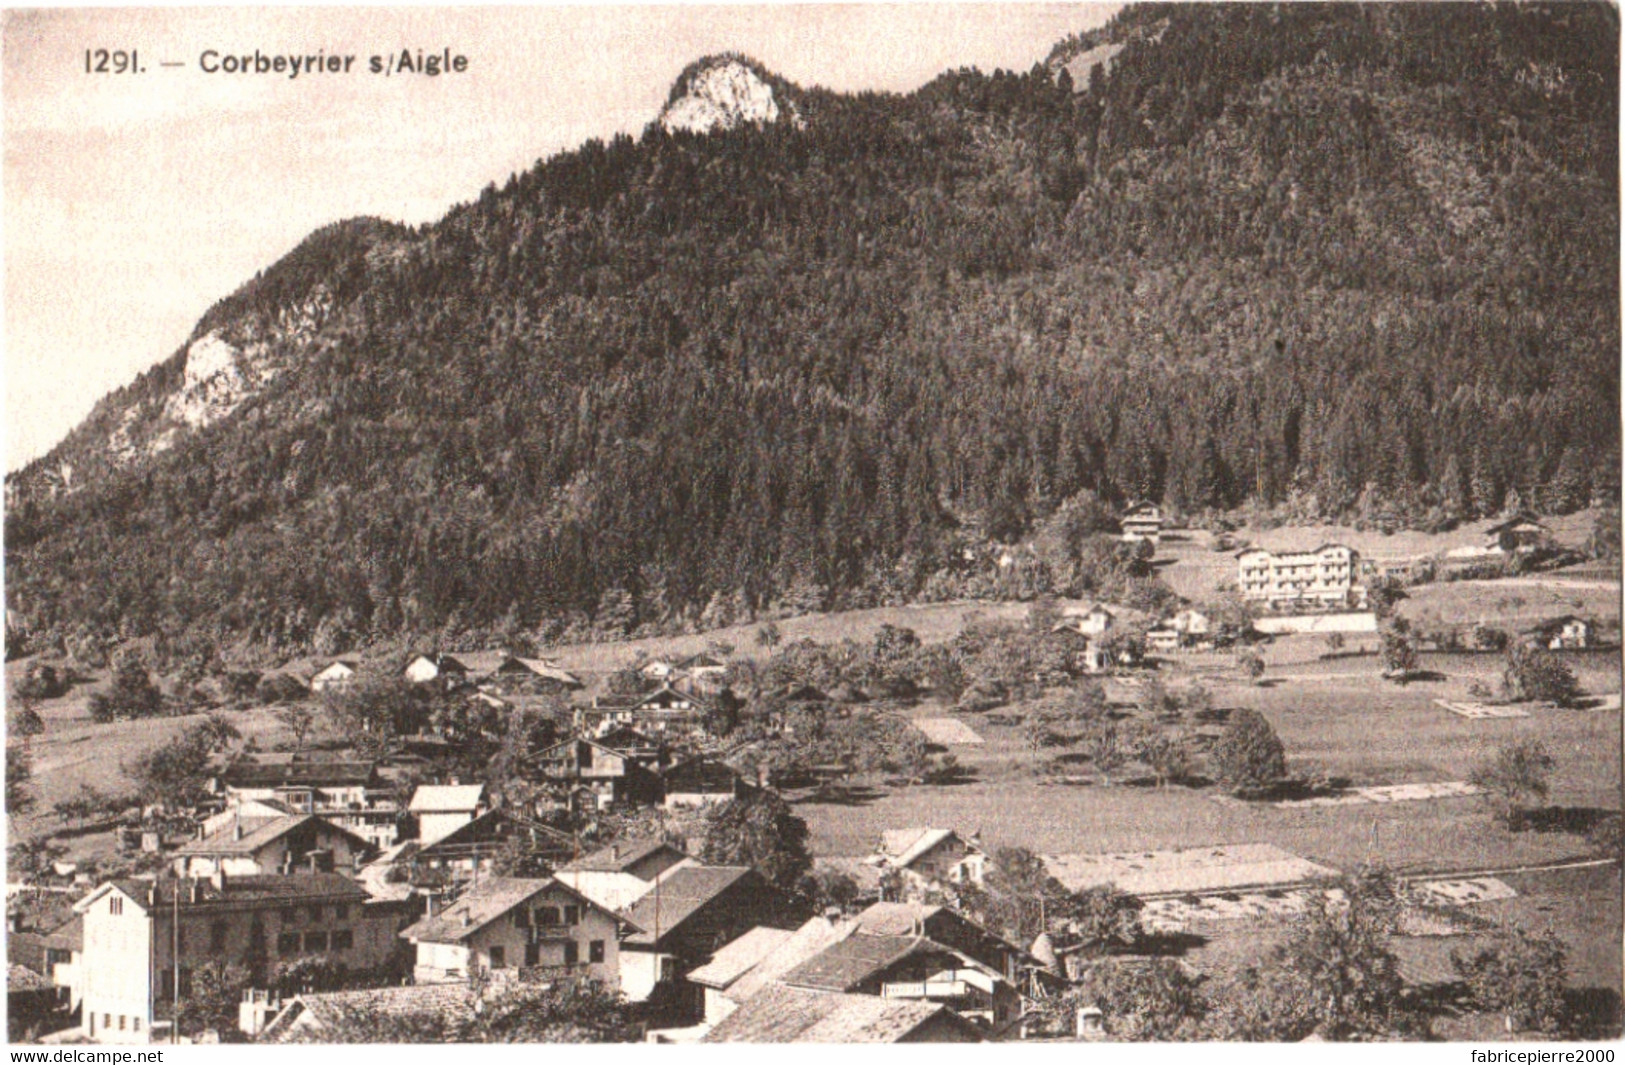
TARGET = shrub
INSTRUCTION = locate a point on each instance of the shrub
(1536, 675)
(1520, 976)
(1514, 779)
(1249, 754)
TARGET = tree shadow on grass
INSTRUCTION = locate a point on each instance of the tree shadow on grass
(1594, 1012)
(841, 795)
(1578, 820)
(1189, 780)
(955, 777)
(1169, 944)
(1422, 676)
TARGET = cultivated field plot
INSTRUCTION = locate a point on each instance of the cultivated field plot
(1184, 872)
(948, 731)
(1481, 711)
(1473, 889)
(1178, 915)
(1371, 733)
(1449, 789)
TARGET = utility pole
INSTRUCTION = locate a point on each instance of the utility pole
(175, 965)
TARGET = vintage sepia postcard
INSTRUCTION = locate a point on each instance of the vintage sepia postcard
(822, 523)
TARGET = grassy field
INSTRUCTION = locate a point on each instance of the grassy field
(1197, 570)
(933, 623)
(1367, 730)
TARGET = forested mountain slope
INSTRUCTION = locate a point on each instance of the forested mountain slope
(1349, 259)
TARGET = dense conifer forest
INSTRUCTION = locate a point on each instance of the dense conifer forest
(1345, 261)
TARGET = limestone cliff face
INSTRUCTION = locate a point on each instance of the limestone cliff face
(724, 92)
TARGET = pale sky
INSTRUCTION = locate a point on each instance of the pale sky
(134, 202)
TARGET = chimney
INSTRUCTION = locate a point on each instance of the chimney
(614, 851)
(194, 890)
(468, 918)
(237, 830)
(219, 879)
(429, 901)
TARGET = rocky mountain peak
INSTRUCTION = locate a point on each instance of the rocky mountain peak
(725, 92)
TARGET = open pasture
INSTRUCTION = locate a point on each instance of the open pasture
(1369, 732)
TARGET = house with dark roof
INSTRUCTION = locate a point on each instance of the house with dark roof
(53, 954)
(701, 782)
(1566, 633)
(299, 782)
(318, 1017)
(292, 842)
(612, 777)
(647, 751)
(507, 674)
(136, 930)
(33, 1006)
(686, 915)
(667, 712)
(501, 924)
(704, 671)
(1522, 532)
(948, 927)
(469, 850)
(912, 966)
(789, 1015)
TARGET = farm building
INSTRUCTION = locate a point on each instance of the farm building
(443, 808)
(291, 842)
(1142, 521)
(334, 675)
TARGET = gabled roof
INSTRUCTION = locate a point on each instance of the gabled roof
(702, 775)
(500, 663)
(482, 828)
(905, 846)
(344, 664)
(785, 1015)
(946, 923)
(1142, 507)
(897, 918)
(737, 958)
(625, 738)
(620, 857)
(811, 939)
(447, 798)
(487, 901)
(703, 660)
(293, 888)
(225, 841)
(572, 742)
(844, 966)
(265, 773)
(332, 1008)
(664, 690)
(1524, 519)
(679, 895)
